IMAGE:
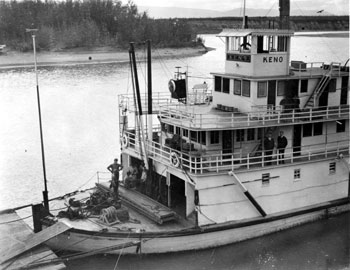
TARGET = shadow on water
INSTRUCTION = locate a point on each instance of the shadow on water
(320, 245)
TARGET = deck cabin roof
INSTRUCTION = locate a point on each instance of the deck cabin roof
(231, 32)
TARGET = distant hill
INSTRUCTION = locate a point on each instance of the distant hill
(179, 12)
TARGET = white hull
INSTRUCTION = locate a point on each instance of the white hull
(206, 237)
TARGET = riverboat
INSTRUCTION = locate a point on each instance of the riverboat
(217, 173)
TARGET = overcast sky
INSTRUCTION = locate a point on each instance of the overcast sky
(339, 7)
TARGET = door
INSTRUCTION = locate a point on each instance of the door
(344, 90)
(227, 143)
(296, 140)
(271, 95)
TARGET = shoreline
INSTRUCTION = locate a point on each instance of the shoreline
(13, 59)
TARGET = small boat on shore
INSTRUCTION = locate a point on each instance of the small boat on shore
(265, 150)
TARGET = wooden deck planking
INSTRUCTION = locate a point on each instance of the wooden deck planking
(147, 206)
(19, 246)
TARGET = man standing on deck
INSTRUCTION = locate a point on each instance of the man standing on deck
(115, 168)
(269, 144)
(282, 142)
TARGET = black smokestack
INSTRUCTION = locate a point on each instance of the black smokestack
(284, 13)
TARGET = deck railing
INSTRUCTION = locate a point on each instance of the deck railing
(187, 117)
(202, 162)
(314, 68)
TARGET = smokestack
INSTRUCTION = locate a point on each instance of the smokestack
(284, 13)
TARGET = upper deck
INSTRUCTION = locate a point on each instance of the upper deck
(210, 117)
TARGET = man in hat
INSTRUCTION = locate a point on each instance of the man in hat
(282, 143)
(115, 168)
(269, 144)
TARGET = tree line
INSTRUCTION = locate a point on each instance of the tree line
(89, 23)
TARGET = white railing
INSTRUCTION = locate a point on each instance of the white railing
(187, 117)
(201, 162)
(315, 68)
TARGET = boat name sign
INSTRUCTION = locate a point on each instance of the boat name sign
(275, 59)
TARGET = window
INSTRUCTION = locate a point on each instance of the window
(170, 128)
(297, 174)
(214, 137)
(240, 135)
(307, 130)
(185, 132)
(177, 131)
(318, 129)
(250, 134)
(193, 135)
(203, 137)
(262, 89)
(237, 87)
(246, 88)
(340, 126)
(315, 129)
(265, 179)
(260, 133)
(217, 82)
(332, 85)
(332, 168)
(281, 87)
(303, 86)
(282, 44)
(226, 85)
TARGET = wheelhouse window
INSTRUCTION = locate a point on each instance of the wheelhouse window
(262, 89)
(272, 44)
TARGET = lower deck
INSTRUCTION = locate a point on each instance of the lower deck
(138, 221)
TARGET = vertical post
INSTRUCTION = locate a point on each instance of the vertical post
(45, 192)
(244, 18)
(150, 109)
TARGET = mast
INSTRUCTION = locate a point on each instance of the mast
(138, 99)
(45, 192)
(149, 94)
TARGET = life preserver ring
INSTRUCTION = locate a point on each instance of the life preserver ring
(125, 141)
(174, 159)
(172, 86)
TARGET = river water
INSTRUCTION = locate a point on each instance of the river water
(80, 126)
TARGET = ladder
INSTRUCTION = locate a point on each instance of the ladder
(322, 84)
(320, 87)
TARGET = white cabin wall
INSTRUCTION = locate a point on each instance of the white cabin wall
(227, 202)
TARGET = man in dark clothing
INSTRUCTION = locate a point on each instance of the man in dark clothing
(282, 142)
(115, 168)
(269, 144)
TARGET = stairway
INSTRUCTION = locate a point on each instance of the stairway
(320, 87)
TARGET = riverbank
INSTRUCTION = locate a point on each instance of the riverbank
(14, 59)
